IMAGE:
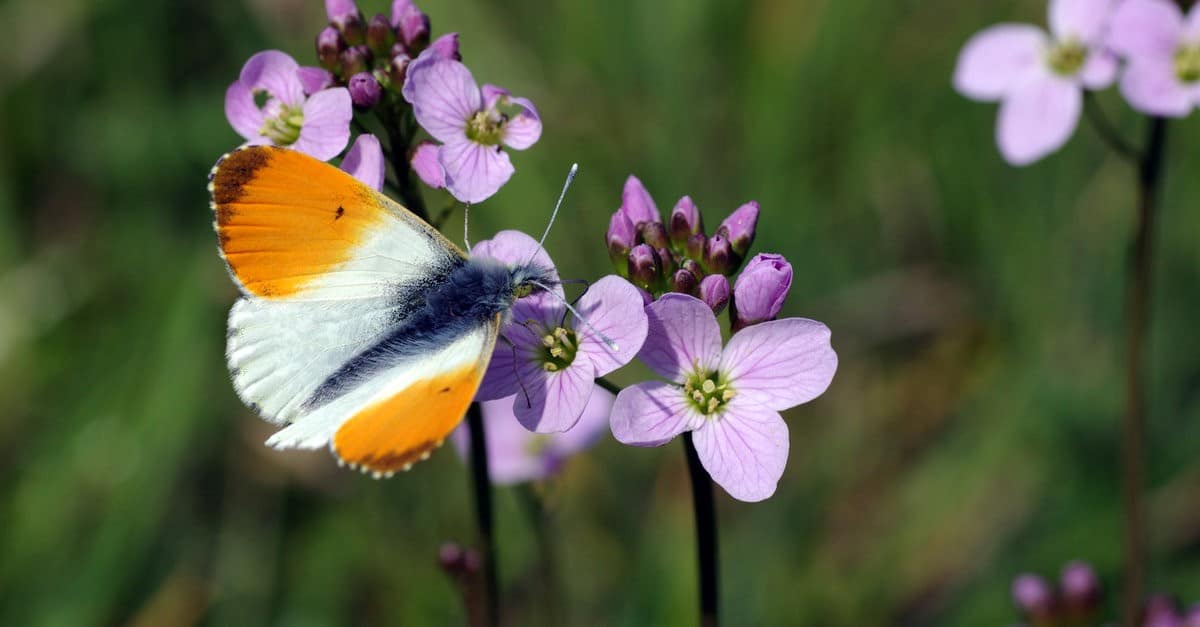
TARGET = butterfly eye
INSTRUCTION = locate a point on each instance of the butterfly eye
(523, 290)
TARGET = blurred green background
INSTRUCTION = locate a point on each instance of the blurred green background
(970, 434)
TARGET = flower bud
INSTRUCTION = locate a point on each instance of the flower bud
(1080, 588)
(446, 47)
(412, 24)
(338, 11)
(718, 256)
(760, 290)
(458, 561)
(1161, 610)
(714, 291)
(398, 71)
(354, 29)
(653, 233)
(355, 59)
(1032, 595)
(684, 282)
(739, 227)
(685, 222)
(620, 238)
(365, 91)
(637, 205)
(666, 261)
(644, 267)
(329, 49)
(380, 35)
(694, 248)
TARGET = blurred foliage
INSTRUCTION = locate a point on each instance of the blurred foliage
(971, 432)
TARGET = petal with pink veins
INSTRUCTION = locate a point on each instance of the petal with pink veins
(556, 399)
(613, 307)
(364, 161)
(1037, 119)
(781, 363)
(591, 426)
(473, 171)
(274, 72)
(745, 450)
(651, 414)
(998, 59)
(326, 128)
(444, 96)
(682, 337)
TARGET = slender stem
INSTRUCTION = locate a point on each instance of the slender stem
(1106, 130)
(608, 385)
(706, 532)
(398, 143)
(482, 487)
(1137, 318)
(542, 524)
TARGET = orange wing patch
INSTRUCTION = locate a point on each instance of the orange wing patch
(394, 433)
(284, 218)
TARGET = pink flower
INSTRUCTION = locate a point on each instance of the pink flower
(515, 455)
(318, 125)
(473, 124)
(364, 161)
(1038, 78)
(729, 399)
(1162, 48)
(547, 357)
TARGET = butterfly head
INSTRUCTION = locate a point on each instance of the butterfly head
(530, 278)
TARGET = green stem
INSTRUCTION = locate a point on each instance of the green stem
(1106, 130)
(543, 530)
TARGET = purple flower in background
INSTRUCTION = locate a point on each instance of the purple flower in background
(760, 290)
(473, 124)
(516, 455)
(1162, 48)
(1034, 596)
(318, 125)
(730, 399)
(1038, 78)
(364, 161)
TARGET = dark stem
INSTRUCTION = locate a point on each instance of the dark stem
(481, 485)
(706, 532)
(540, 520)
(1137, 319)
(1106, 130)
(608, 385)
(398, 143)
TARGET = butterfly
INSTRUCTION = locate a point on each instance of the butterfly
(360, 327)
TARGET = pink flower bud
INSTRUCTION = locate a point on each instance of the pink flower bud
(1032, 595)
(620, 239)
(685, 221)
(365, 91)
(398, 71)
(714, 291)
(654, 234)
(718, 256)
(380, 35)
(1081, 590)
(760, 290)
(644, 267)
(354, 60)
(739, 227)
(413, 26)
(637, 205)
(329, 48)
(684, 282)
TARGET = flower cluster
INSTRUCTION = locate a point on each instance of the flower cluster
(1039, 77)
(388, 66)
(1078, 599)
(677, 256)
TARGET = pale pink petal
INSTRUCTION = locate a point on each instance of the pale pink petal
(243, 114)
(425, 163)
(274, 72)
(473, 171)
(745, 450)
(1037, 119)
(998, 59)
(651, 414)
(1099, 70)
(613, 307)
(1146, 28)
(513, 247)
(1080, 20)
(511, 448)
(445, 47)
(326, 128)
(682, 337)
(1150, 86)
(314, 79)
(556, 399)
(592, 425)
(443, 95)
(1191, 25)
(523, 129)
(364, 161)
(781, 363)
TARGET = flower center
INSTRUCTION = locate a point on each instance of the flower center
(707, 392)
(1066, 58)
(558, 349)
(1187, 63)
(283, 129)
(485, 127)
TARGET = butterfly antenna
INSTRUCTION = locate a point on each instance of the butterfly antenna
(603, 338)
(467, 226)
(554, 214)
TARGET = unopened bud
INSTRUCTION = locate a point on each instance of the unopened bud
(620, 238)
(365, 90)
(654, 234)
(1033, 596)
(644, 268)
(398, 71)
(714, 291)
(637, 205)
(684, 282)
(354, 29)
(694, 248)
(760, 290)
(329, 49)
(355, 59)
(380, 35)
(413, 26)
(1161, 610)
(718, 256)
(1081, 590)
(740, 226)
(666, 262)
(685, 222)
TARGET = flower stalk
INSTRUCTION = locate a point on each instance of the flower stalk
(481, 486)
(705, 513)
(1137, 321)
